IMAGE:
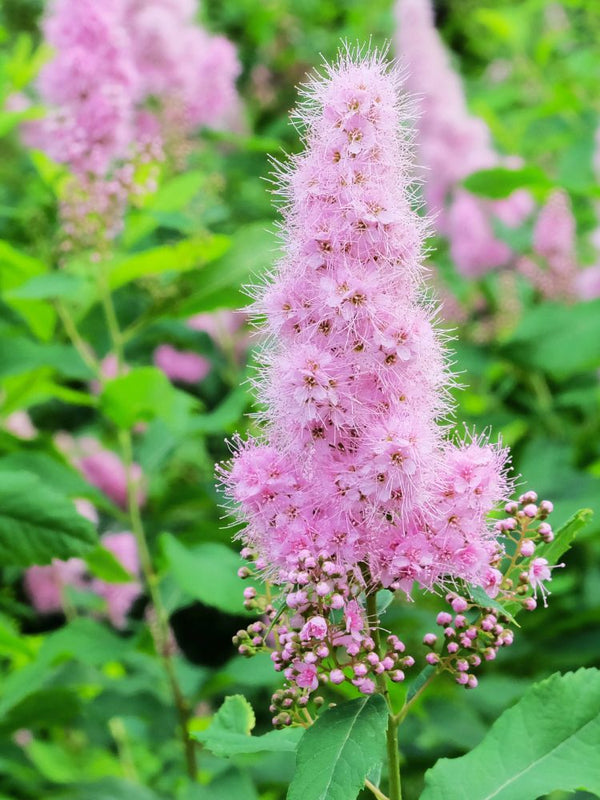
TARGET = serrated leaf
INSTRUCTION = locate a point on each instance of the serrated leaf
(207, 572)
(229, 733)
(37, 524)
(336, 754)
(548, 741)
(564, 536)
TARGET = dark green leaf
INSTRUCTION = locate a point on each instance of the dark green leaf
(336, 754)
(559, 339)
(564, 536)
(37, 524)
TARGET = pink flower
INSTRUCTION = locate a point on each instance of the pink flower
(19, 424)
(120, 596)
(305, 675)
(180, 365)
(352, 465)
(588, 283)
(315, 628)
(105, 470)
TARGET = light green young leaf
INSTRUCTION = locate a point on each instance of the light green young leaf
(38, 524)
(144, 394)
(229, 733)
(500, 182)
(336, 754)
(548, 741)
(48, 286)
(181, 257)
(482, 598)
(16, 269)
(208, 573)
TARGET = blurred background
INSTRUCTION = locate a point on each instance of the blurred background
(171, 208)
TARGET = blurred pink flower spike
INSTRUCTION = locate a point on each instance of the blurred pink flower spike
(181, 365)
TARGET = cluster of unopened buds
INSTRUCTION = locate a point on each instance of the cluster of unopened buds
(92, 207)
(473, 632)
(320, 635)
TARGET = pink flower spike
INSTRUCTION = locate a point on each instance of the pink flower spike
(180, 365)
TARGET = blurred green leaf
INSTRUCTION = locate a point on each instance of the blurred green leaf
(50, 285)
(37, 524)
(546, 741)
(207, 572)
(181, 257)
(500, 182)
(144, 394)
(336, 754)
(219, 285)
(559, 339)
(104, 565)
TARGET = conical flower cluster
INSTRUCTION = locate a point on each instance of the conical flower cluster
(353, 465)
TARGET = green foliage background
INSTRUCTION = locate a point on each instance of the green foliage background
(95, 702)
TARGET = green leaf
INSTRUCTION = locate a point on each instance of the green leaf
(482, 598)
(109, 789)
(500, 182)
(23, 355)
(17, 268)
(336, 754)
(104, 565)
(186, 255)
(420, 681)
(230, 732)
(142, 395)
(548, 741)
(53, 284)
(561, 340)
(218, 285)
(232, 785)
(37, 524)
(53, 472)
(208, 573)
(564, 536)
(85, 640)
